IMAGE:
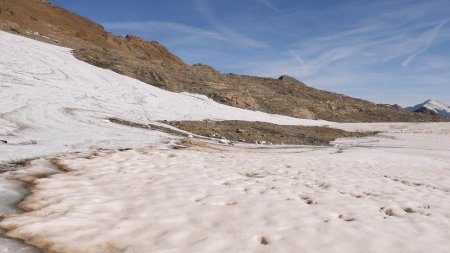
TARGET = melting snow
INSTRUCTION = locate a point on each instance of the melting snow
(378, 194)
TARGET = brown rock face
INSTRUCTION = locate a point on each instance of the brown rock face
(152, 63)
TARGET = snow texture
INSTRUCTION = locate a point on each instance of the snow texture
(388, 193)
(53, 103)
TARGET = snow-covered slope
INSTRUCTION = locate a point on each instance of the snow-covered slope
(51, 102)
(433, 105)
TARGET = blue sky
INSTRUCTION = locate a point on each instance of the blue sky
(395, 51)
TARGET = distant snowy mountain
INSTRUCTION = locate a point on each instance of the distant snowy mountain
(431, 107)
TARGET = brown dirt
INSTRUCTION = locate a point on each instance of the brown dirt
(250, 132)
(152, 63)
(260, 132)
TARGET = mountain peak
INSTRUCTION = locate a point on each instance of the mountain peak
(431, 106)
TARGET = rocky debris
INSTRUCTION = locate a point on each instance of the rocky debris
(152, 63)
(263, 133)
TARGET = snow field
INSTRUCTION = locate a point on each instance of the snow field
(53, 103)
(383, 198)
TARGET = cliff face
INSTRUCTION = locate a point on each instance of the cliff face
(152, 63)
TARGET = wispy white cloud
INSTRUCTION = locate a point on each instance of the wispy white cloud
(374, 42)
(357, 47)
(427, 39)
(205, 9)
(367, 57)
(183, 33)
(149, 26)
(269, 4)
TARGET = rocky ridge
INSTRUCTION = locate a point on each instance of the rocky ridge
(152, 63)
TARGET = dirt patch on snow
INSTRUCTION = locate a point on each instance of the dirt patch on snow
(264, 133)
